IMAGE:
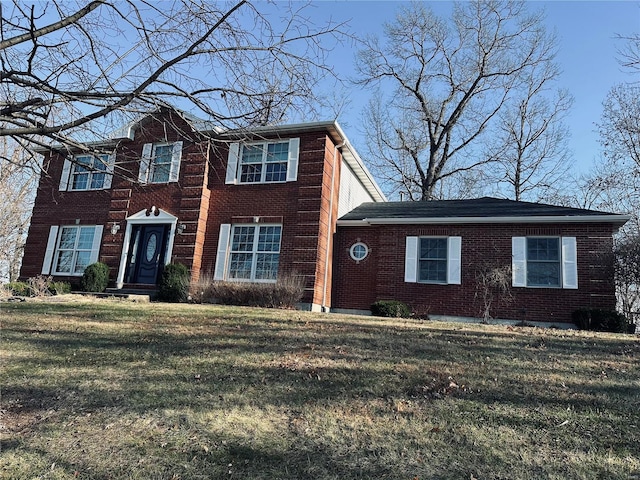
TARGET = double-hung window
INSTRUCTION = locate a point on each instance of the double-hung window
(432, 264)
(248, 252)
(87, 172)
(544, 262)
(263, 162)
(71, 248)
(433, 260)
(160, 162)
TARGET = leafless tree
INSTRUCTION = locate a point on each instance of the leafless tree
(73, 71)
(629, 53)
(447, 82)
(17, 188)
(619, 127)
(627, 276)
(614, 182)
(530, 143)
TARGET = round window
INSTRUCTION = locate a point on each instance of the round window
(358, 251)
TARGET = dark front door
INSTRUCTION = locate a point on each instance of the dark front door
(147, 253)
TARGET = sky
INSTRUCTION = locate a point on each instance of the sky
(586, 32)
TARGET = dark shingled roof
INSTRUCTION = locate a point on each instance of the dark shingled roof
(474, 208)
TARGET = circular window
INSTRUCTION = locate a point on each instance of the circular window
(358, 251)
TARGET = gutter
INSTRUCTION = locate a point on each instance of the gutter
(614, 219)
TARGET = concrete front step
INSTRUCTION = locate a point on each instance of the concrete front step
(132, 294)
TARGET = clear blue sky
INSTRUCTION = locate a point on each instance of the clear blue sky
(586, 32)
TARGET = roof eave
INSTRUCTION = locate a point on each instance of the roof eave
(338, 136)
(613, 219)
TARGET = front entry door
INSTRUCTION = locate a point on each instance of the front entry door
(147, 253)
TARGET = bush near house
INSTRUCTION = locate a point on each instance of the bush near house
(59, 288)
(600, 320)
(19, 289)
(390, 308)
(286, 292)
(95, 278)
(174, 283)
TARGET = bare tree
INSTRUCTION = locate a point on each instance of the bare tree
(72, 71)
(530, 143)
(17, 188)
(619, 127)
(629, 53)
(627, 276)
(614, 183)
(447, 82)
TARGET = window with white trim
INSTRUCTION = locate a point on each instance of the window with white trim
(433, 260)
(87, 172)
(254, 252)
(544, 262)
(359, 251)
(76, 247)
(160, 162)
(263, 162)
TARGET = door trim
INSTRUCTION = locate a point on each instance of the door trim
(147, 216)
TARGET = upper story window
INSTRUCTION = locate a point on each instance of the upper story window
(87, 172)
(160, 162)
(544, 262)
(263, 162)
(433, 260)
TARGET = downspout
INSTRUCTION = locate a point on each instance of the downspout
(330, 227)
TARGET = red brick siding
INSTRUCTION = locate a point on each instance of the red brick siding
(182, 199)
(301, 207)
(380, 276)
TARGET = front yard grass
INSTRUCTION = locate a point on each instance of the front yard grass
(100, 389)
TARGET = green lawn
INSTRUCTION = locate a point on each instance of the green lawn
(108, 390)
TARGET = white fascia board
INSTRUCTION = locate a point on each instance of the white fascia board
(618, 219)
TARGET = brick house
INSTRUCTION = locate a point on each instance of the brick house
(297, 199)
(245, 206)
(432, 255)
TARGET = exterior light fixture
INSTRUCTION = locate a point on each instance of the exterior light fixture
(181, 228)
(115, 227)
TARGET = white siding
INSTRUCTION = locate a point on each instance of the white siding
(352, 192)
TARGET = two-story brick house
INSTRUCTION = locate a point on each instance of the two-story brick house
(245, 206)
(297, 199)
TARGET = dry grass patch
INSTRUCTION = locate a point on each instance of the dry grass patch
(104, 389)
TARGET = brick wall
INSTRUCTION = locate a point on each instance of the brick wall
(302, 207)
(380, 276)
(186, 199)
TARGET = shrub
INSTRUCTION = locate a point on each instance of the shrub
(284, 293)
(19, 289)
(95, 278)
(390, 308)
(40, 286)
(174, 283)
(600, 320)
(200, 290)
(59, 288)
